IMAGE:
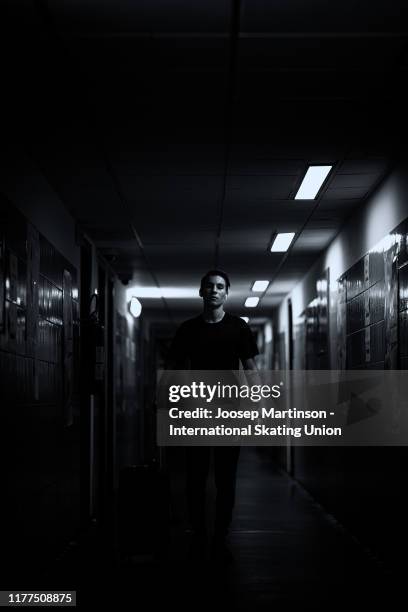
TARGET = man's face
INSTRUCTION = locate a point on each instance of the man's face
(214, 291)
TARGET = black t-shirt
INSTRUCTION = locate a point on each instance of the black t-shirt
(213, 346)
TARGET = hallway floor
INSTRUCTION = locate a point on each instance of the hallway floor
(286, 550)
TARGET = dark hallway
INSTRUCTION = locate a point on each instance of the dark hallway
(159, 161)
(287, 550)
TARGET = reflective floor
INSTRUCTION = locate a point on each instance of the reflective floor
(286, 549)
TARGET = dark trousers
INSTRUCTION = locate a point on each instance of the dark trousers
(225, 468)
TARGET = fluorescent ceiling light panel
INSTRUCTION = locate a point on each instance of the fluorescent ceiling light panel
(166, 292)
(282, 242)
(179, 292)
(147, 292)
(251, 302)
(246, 319)
(260, 285)
(314, 179)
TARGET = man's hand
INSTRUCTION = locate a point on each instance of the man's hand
(251, 371)
(249, 364)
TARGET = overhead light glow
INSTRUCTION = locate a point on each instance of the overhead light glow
(165, 292)
(251, 302)
(313, 180)
(135, 307)
(144, 292)
(282, 242)
(260, 285)
(246, 319)
(268, 333)
(177, 292)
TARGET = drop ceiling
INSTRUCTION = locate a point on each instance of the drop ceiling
(177, 133)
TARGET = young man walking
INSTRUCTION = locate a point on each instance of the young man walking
(214, 340)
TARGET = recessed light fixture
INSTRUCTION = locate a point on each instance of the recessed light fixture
(163, 292)
(313, 180)
(246, 319)
(135, 307)
(180, 292)
(251, 302)
(282, 242)
(146, 292)
(260, 285)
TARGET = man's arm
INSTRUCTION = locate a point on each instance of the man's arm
(251, 371)
(249, 364)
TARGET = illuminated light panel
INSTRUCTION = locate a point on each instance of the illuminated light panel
(165, 292)
(251, 302)
(135, 307)
(260, 285)
(175, 292)
(268, 333)
(313, 180)
(246, 319)
(282, 242)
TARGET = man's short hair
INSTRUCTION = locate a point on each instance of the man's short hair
(224, 275)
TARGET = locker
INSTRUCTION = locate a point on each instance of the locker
(355, 280)
(377, 342)
(41, 292)
(403, 333)
(404, 363)
(355, 313)
(403, 288)
(402, 237)
(356, 349)
(376, 267)
(377, 302)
